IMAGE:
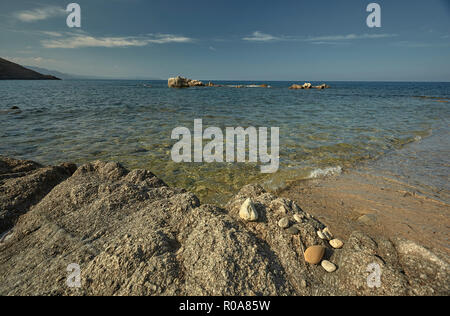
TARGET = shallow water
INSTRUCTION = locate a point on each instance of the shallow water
(321, 131)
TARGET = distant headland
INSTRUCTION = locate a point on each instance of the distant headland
(12, 71)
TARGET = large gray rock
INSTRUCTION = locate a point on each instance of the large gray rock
(23, 184)
(132, 235)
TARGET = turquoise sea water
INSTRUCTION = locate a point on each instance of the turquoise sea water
(321, 131)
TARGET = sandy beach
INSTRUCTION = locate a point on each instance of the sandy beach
(375, 204)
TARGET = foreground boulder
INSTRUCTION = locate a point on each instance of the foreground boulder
(23, 184)
(132, 235)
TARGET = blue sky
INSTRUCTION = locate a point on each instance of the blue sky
(241, 40)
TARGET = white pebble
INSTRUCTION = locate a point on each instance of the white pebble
(328, 266)
(248, 211)
(321, 235)
(284, 222)
(336, 244)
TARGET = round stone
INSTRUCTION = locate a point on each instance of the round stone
(284, 222)
(314, 254)
(336, 244)
(328, 266)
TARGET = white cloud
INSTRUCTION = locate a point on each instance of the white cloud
(348, 37)
(261, 37)
(85, 40)
(40, 14)
(53, 34)
(331, 39)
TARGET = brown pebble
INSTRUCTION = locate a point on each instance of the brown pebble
(314, 254)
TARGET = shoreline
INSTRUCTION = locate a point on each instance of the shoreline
(112, 221)
(375, 205)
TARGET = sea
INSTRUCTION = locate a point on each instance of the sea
(400, 129)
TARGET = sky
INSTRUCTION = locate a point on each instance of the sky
(299, 40)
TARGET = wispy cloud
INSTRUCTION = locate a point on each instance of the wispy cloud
(412, 44)
(40, 14)
(348, 37)
(53, 34)
(85, 40)
(329, 39)
(261, 37)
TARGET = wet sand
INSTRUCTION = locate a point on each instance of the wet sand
(392, 208)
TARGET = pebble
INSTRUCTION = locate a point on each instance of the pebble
(328, 266)
(284, 222)
(282, 210)
(293, 230)
(321, 235)
(298, 218)
(326, 231)
(314, 254)
(248, 211)
(336, 244)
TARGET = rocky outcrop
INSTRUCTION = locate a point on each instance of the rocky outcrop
(23, 184)
(181, 82)
(308, 86)
(133, 235)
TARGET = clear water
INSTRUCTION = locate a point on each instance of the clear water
(131, 121)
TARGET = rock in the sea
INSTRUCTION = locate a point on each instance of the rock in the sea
(296, 87)
(248, 211)
(284, 222)
(307, 85)
(322, 86)
(314, 254)
(328, 266)
(336, 243)
(181, 82)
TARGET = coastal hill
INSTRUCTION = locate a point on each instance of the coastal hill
(12, 71)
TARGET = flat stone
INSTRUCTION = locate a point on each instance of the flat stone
(248, 211)
(336, 244)
(293, 230)
(328, 266)
(314, 254)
